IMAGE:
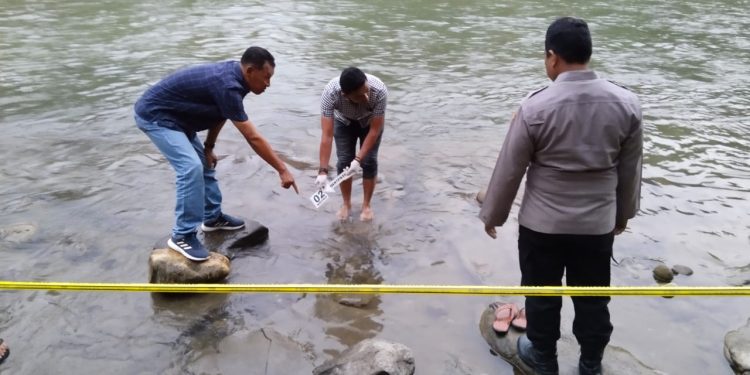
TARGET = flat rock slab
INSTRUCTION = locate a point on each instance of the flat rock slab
(259, 352)
(229, 242)
(166, 266)
(616, 360)
(737, 349)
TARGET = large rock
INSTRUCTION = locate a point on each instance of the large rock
(166, 266)
(229, 242)
(260, 352)
(616, 360)
(370, 357)
(737, 349)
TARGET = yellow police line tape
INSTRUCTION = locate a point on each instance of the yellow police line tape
(469, 290)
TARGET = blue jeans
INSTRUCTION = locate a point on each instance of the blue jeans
(346, 137)
(198, 194)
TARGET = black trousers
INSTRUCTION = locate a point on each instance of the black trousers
(585, 261)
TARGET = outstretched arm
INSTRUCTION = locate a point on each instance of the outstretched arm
(264, 150)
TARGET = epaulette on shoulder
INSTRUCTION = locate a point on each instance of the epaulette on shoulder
(535, 92)
(619, 84)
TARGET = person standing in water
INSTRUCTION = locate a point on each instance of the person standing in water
(352, 109)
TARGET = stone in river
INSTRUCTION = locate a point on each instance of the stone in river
(371, 357)
(679, 269)
(616, 360)
(167, 266)
(737, 349)
(663, 274)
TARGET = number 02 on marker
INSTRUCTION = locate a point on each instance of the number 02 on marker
(318, 198)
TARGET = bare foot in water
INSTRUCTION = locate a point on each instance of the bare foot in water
(366, 214)
(343, 213)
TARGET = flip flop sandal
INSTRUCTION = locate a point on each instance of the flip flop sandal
(7, 353)
(504, 315)
(519, 322)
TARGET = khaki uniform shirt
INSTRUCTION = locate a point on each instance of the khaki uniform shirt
(580, 143)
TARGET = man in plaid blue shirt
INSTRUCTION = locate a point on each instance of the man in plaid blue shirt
(201, 98)
(352, 109)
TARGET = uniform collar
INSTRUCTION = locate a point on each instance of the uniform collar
(577, 75)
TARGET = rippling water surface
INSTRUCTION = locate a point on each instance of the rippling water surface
(98, 194)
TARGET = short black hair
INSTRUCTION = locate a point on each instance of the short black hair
(257, 57)
(351, 79)
(570, 39)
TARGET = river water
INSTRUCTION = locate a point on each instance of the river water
(95, 194)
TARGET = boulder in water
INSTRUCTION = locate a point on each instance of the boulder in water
(616, 360)
(166, 266)
(371, 357)
(737, 349)
(663, 274)
(679, 269)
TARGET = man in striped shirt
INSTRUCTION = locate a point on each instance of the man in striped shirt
(353, 108)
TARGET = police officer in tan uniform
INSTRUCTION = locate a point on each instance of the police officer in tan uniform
(579, 141)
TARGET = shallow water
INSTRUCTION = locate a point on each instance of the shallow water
(98, 194)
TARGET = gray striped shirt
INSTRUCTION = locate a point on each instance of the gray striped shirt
(333, 103)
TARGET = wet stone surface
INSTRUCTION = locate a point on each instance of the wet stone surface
(737, 349)
(616, 360)
(679, 269)
(230, 243)
(167, 266)
(663, 274)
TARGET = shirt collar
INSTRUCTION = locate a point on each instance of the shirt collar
(577, 75)
(240, 77)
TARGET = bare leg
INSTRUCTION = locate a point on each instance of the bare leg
(368, 185)
(346, 193)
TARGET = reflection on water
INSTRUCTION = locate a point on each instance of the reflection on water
(78, 171)
(351, 318)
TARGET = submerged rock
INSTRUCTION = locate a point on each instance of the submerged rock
(679, 269)
(371, 357)
(663, 274)
(260, 352)
(737, 349)
(166, 266)
(17, 233)
(616, 360)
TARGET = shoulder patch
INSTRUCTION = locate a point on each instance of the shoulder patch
(535, 92)
(619, 84)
